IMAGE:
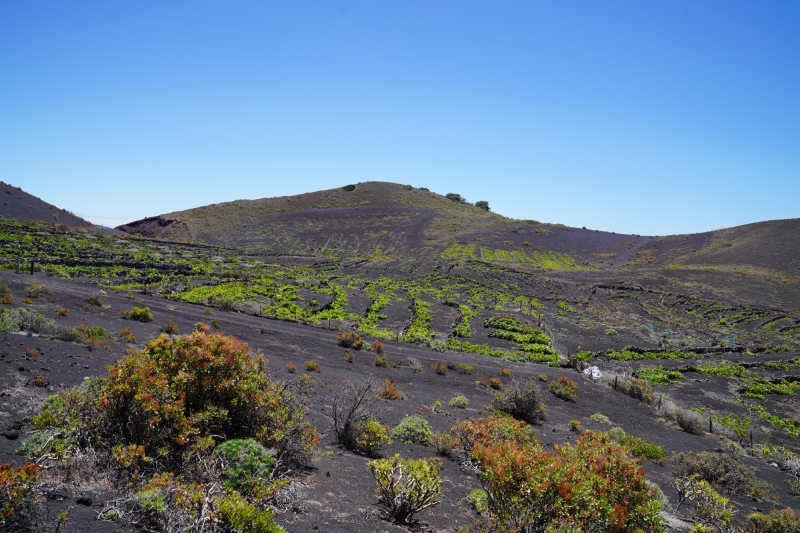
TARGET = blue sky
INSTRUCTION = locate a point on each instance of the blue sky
(654, 118)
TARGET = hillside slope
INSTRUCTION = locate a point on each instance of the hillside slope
(18, 205)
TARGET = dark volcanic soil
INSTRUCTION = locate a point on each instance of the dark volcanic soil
(337, 490)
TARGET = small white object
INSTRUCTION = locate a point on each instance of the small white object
(593, 372)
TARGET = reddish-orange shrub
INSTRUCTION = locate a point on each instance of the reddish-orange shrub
(439, 368)
(591, 484)
(389, 391)
(350, 339)
(564, 388)
(377, 347)
(159, 404)
(493, 430)
(16, 483)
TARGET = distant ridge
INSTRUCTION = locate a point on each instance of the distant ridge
(387, 221)
(18, 205)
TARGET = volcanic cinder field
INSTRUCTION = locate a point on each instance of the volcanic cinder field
(707, 325)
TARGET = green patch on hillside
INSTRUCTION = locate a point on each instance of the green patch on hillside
(549, 260)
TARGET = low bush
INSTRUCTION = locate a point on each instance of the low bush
(722, 470)
(157, 417)
(96, 300)
(313, 366)
(389, 391)
(638, 446)
(459, 401)
(575, 425)
(371, 436)
(16, 485)
(377, 347)
(127, 335)
(495, 383)
(465, 368)
(439, 368)
(354, 425)
(635, 388)
(564, 388)
(406, 486)
(445, 443)
(170, 328)
(600, 418)
(479, 500)
(350, 339)
(521, 400)
(413, 430)
(522, 494)
(244, 462)
(690, 422)
(506, 373)
(381, 361)
(711, 511)
(777, 521)
(291, 368)
(349, 357)
(158, 403)
(139, 314)
(492, 431)
(62, 311)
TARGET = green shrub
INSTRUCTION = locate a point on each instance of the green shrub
(152, 500)
(371, 436)
(479, 500)
(723, 471)
(726, 370)
(638, 446)
(413, 430)
(564, 388)
(459, 401)
(245, 460)
(244, 517)
(658, 376)
(406, 486)
(96, 300)
(465, 368)
(711, 512)
(139, 314)
(313, 366)
(600, 418)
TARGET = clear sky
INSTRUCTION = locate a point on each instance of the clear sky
(656, 117)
